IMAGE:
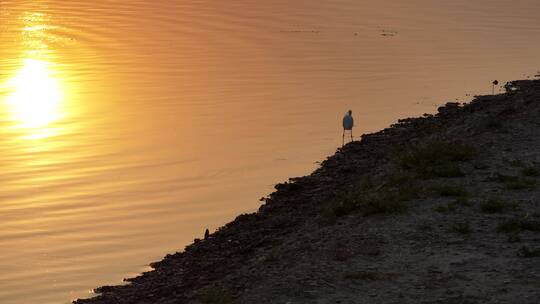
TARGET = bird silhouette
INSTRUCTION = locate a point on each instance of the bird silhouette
(494, 83)
(348, 124)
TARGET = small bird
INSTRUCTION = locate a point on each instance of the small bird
(348, 124)
(206, 234)
(494, 83)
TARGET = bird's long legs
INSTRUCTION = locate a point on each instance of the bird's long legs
(343, 137)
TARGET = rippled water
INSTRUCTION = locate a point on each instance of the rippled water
(128, 127)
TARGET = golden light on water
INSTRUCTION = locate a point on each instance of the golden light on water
(36, 95)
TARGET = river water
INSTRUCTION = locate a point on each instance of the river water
(129, 127)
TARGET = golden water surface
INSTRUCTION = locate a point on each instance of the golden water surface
(128, 127)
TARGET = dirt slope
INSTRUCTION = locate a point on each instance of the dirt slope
(439, 209)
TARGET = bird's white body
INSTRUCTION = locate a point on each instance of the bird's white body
(348, 122)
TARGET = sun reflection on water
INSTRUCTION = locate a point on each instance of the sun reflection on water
(36, 95)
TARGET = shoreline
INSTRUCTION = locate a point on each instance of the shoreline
(366, 225)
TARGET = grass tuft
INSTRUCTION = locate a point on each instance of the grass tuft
(387, 204)
(424, 226)
(481, 165)
(513, 238)
(399, 180)
(438, 159)
(363, 275)
(492, 122)
(368, 275)
(530, 171)
(444, 169)
(450, 207)
(271, 257)
(517, 225)
(451, 190)
(513, 182)
(345, 205)
(370, 204)
(216, 296)
(461, 228)
(516, 163)
(462, 201)
(384, 201)
(527, 252)
(492, 206)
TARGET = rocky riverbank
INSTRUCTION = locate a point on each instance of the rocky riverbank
(438, 209)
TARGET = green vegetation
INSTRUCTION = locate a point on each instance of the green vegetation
(450, 190)
(530, 171)
(444, 169)
(450, 207)
(527, 252)
(368, 275)
(217, 296)
(399, 180)
(492, 206)
(368, 204)
(392, 198)
(424, 226)
(514, 238)
(516, 163)
(437, 159)
(481, 165)
(462, 201)
(461, 228)
(518, 225)
(271, 257)
(387, 204)
(363, 275)
(441, 209)
(492, 122)
(343, 206)
(512, 182)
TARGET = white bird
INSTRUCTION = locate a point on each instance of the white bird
(348, 124)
